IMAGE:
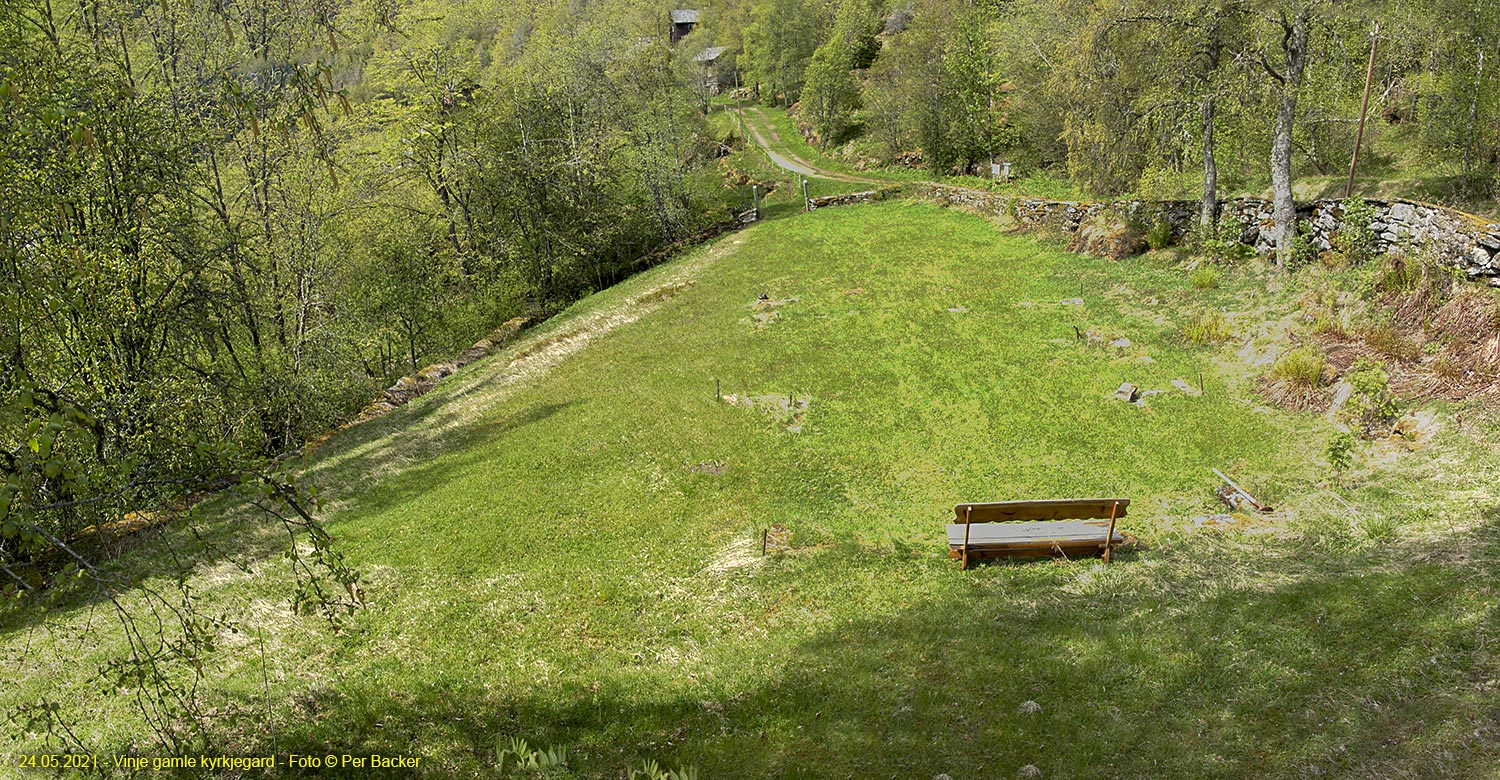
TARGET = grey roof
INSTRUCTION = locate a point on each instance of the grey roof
(710, 54)
(684, 16)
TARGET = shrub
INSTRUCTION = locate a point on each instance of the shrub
(1204, 277)
(1341, 450)
(1220, 242)
(1303, 249)
(1355, 241)
(1301, 367)
(1207, 328)
(1371, 403)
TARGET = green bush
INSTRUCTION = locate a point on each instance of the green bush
(1387, 339)
(1204, 277)
(1341, 450)
(1326, 324)
(1220, 242)
(1371, 403)
(1303, 249)
(1355, 240)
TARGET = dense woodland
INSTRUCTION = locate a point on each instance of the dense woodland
(225, 226)
(1137, 95)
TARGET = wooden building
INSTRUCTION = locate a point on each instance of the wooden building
(683, 22)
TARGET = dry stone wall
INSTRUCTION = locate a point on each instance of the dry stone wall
(1459, 239)
(846, 199)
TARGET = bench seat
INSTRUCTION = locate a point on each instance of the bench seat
(1085, 537)
(1071, 527)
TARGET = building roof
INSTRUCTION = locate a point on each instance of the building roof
(710, 54)
(684, 16)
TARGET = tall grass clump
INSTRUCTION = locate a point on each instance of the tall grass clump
(1301, 367)
(1387, 339)
(1159, 235)
(1210, 327)
(1204, 277)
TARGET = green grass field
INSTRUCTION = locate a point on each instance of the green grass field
(561, 543)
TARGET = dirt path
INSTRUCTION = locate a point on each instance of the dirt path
(760, 130)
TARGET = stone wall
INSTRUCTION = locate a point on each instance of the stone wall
(846, 199)
(1459, 239)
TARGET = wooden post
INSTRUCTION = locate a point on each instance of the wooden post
(1364, 108)
(965, 564)
(806, 202)
(763, 533)
(739, 109)
(1109, 536)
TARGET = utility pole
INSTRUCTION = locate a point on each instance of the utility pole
(1364, 108)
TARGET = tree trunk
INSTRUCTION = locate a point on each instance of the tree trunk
(1210, 210)
(1471, 140)
(1283, 207)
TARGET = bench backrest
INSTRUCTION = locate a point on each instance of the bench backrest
(1060, 509)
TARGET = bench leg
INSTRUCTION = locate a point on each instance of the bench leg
(965, 564)
(1109, 536)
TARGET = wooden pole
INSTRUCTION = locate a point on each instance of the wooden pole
(739, 109)
(1364, 108)
(965, 564)
(1109, 537)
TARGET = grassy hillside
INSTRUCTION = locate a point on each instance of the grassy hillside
(561, 543)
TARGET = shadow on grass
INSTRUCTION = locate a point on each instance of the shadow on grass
(1379, 664)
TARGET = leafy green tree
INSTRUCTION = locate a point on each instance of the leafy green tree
(964, 120)
(1148, 91)
(832, 93)
(779, 45)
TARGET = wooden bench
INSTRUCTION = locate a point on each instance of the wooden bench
(1073, 526)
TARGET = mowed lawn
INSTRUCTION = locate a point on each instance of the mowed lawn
(562, 543)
